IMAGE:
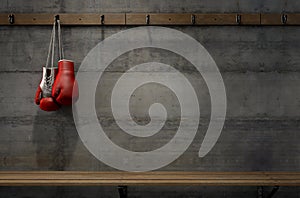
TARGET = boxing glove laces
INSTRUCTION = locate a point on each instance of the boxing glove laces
(43, 95)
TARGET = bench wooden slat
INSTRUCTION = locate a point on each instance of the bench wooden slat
(70, 178)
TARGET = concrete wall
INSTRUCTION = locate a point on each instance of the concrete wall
(260, 67)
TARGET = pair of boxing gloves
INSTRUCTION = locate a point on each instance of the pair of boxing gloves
(58, 87)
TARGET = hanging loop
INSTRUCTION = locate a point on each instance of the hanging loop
(60, 46)
(49, 72)
(51, 48)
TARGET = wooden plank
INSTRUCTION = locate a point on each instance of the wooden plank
(227, 19)
(80, 19)
(136, 19)
(66, 19)
(250, 19)
(4, 19)
(186, 19)
(215, 19)
(154, 19)
(276, 19)
(28, 19)
(293, 19)
(271, 19)
(149, 175)
(92, 19)
(158, 19)
(170, 19)
(147, 183)
(114, 19)
(73, 178)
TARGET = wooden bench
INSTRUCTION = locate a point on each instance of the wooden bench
(124, 179)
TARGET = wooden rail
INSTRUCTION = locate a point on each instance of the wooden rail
(66, 178)
(152, 19)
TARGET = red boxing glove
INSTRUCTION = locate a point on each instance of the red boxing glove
(48, 104)
(38, 95)
(65, 88)
(43, 93)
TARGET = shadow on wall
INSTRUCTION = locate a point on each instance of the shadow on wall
(55, 137)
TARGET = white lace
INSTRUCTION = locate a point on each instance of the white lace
(48, 79)
(51, 45)
(60, 46)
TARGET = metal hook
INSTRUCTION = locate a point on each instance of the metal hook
(11, 19)
(56, 18)
(147, 19)
(284, 18)
(238, 19)
(102, 19)
(193, 19)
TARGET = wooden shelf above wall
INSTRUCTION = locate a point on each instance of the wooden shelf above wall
(192, 19)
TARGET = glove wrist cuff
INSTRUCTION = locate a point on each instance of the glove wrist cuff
(65, 65)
